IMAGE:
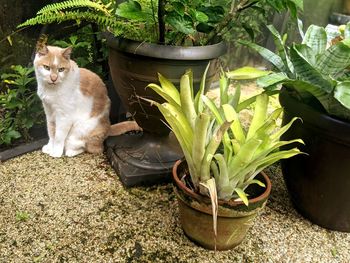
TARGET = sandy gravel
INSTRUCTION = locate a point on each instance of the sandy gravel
(76, 210)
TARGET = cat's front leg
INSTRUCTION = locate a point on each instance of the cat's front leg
(51, 127)
(63, 125)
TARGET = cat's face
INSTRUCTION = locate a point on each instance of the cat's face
(52, 64)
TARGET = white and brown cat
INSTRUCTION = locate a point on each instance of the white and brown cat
(76, 104)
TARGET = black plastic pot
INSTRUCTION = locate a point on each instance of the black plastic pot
(149, 158)
(134, 65)
(319, 182)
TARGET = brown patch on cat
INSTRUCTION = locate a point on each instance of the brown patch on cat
(91, 85)
(94, 141)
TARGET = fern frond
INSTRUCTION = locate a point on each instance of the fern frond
(69, 4)
(99, 19)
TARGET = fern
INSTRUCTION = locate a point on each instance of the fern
(54, 8)
(48, 18)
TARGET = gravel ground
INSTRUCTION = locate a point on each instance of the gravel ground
(76, 210)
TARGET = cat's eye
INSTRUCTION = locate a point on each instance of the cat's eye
(46, 67)
(61, 69)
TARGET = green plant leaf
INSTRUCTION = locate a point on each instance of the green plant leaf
(272, 80)
(246, 73)
(242, 195)
(316, 39)
(132, 10)
(307, 72)
(342, 93)
(266, 54)
(334, 60)
(183, 24)
(259, 116)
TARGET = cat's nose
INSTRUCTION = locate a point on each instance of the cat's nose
(53, 77)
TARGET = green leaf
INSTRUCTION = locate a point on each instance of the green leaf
(260, 113)
(246, 73)
(132, 10)
(316, 38)
(334, 60)
(183, 24)
(266, 54)
(272, 80)
(281, 49)
(342, 93)
(307, 72)
(242, 195)
(201, 17)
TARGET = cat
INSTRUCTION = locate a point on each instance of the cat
(76, 104)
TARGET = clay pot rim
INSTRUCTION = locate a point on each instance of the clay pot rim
(206, 199)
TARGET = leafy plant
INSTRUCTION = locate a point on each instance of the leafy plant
(172, 22)
(222, 157)
(316, 68)
(219, 152)
(20, 108)
(86, 53)
(22, 216)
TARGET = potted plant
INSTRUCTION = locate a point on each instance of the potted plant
(220, 186)
(315, 76)
(167, 36)
(145, 37)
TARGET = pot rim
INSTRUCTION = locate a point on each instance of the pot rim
(166, 51)
(232, 203)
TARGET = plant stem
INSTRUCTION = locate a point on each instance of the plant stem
(161, 22)
(235, 10)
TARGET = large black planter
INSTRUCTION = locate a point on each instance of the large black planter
(319, 182)
(133, 65)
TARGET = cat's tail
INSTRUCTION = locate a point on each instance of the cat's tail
(123, 127)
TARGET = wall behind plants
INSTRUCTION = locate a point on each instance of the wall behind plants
(318, 11)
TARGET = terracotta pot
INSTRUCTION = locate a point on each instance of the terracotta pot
(319, 182)
(234, 217)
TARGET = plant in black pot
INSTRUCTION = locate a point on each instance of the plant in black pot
(220, 185)
(316, 79)
(167, 36)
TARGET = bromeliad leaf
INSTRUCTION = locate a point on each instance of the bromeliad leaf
(245, 73)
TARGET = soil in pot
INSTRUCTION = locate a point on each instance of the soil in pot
(234, 217)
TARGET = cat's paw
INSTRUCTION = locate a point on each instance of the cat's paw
(71, 153)
(47, 148)
(56, 152)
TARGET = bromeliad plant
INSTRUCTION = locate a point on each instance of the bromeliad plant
(317, 68)
(171, 22)
(223, 157)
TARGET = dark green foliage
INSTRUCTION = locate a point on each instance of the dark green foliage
(20, 108)
(315, 69)
(187, 22)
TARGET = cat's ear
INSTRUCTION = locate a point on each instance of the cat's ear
(67, 52)
(42, 50)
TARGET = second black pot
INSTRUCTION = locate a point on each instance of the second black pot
(319, 182)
